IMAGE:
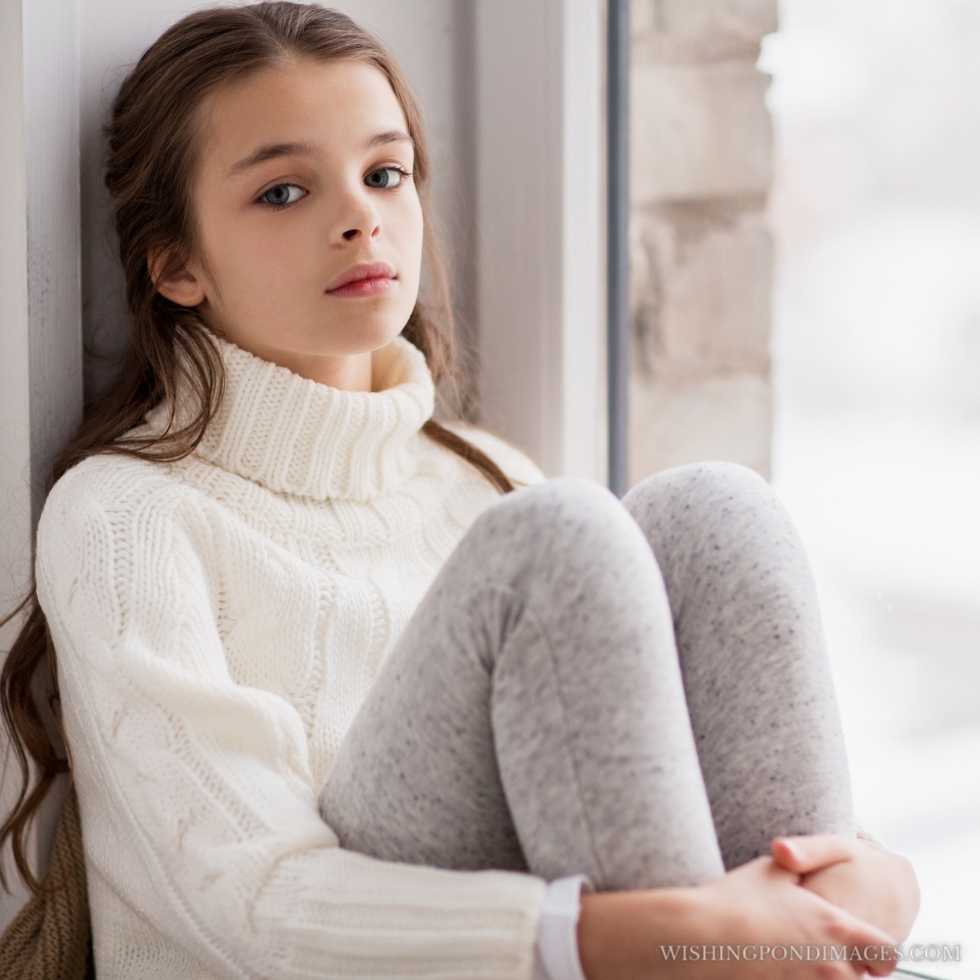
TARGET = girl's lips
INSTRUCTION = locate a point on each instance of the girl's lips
(373, 286)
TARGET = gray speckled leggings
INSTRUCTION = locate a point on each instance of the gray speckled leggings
(636, 689)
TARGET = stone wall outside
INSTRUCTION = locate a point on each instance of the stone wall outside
(700, 248)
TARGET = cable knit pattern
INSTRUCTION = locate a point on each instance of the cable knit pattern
(218, 621)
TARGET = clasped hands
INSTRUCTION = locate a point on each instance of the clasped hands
(868, 881)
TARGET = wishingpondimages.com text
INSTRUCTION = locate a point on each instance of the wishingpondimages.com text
(809, 952)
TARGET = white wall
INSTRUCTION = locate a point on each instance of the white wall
(15, 516)
(40, 311)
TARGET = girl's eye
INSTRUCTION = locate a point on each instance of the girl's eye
(398, 170)
(279, 205)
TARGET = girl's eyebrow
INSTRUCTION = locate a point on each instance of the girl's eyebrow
(271, 151)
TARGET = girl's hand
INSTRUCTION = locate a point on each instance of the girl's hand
(761, 903)
(869, 882)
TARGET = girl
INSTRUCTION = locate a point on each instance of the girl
(331, 704)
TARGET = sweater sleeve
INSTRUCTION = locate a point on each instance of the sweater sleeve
(195, 792)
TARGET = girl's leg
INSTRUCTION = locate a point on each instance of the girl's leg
(752, 654)
(532, 715)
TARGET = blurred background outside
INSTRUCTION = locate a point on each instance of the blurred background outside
(805, 231)
(876, 354)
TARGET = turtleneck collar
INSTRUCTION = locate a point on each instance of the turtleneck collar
(303, 437)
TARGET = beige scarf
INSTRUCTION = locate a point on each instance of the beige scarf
(51, 936)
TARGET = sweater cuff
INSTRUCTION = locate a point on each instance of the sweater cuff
(556, 950)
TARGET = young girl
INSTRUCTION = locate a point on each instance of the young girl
(349, 692)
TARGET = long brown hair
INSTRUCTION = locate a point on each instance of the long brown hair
(151, 155)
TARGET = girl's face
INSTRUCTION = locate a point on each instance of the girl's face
(277, 232)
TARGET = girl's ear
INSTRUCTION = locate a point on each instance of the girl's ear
(182, 287)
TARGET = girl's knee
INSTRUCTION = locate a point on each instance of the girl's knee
(565, 495)
(691, 484)
(710, 472)
(574, 509)
(694, 498)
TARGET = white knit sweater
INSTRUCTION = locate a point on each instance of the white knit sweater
(218, 621)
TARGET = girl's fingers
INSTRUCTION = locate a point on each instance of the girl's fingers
(874, 947)
(805, 853)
